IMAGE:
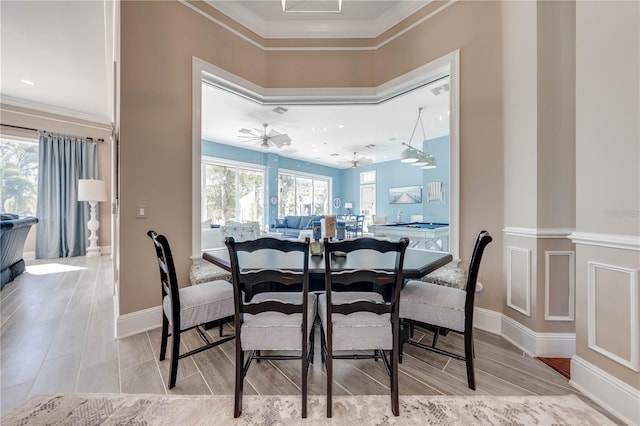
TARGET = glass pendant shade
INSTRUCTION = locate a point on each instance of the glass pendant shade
(409, 155)
(431, 162)
(423, 159)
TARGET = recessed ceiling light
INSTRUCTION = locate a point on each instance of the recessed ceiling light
(280, 110)
(27, 82)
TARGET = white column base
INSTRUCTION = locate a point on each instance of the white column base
(93, 252)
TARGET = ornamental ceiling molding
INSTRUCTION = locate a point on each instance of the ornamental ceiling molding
(311, 37)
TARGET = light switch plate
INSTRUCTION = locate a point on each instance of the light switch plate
(141, 212)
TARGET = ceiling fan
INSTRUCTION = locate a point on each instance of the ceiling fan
(266, 139)
(357, 162)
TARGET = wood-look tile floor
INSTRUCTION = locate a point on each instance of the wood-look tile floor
(57, 328)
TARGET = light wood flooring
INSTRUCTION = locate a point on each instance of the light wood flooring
(57, 336)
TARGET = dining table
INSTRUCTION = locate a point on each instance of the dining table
(417, 262)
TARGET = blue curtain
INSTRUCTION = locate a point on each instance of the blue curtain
(62, 230)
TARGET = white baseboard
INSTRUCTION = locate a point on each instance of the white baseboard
(552, 345)
(487, 320)
(617, 397)
(139, 321)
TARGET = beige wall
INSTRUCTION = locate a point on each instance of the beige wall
(155, 120)
(556, 111)
(519, 62)
(23, 117)
(607, 175)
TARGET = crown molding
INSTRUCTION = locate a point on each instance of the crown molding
(328, 28)
(51, 109)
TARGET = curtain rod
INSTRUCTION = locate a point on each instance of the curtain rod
(45, 131)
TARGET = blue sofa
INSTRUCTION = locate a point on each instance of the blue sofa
(13, 234)
(290, 226)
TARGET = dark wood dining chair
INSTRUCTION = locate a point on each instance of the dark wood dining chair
(279, 313)
(443, 308)
(189, 307)
(361, 320)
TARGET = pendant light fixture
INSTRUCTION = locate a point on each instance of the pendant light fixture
(415, 156)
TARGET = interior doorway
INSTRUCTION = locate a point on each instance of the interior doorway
(367, 203)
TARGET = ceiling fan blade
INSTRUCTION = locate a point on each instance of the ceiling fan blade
(279, 143)
(364, 161)
(282, 139)
(251, 139)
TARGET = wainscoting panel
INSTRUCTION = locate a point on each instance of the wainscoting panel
(612, 311)
(519, 279)
(559, 286)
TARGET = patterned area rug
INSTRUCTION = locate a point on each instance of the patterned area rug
(121, 409)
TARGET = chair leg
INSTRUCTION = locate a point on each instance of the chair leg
(323, 347)
(220, 327)
(305, 370)
(312, 339)
(395, 402)
(165, 335)
(175, 355)
(237, 406)
(329, 364)
(435, 337)
(469, 355)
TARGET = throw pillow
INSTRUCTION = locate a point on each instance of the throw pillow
(281, 223)
(293, 222)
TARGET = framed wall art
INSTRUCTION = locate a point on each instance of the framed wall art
(405, 195)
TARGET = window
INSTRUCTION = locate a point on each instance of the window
(367, 177)
(303, 194)
(18, 176)
(232, 192)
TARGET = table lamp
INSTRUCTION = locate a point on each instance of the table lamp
(348, 206)
(92, 190)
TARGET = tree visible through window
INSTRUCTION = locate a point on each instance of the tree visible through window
(18, 176)
(232, 193)
(303, 194)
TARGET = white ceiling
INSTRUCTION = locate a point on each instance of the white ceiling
(66, 49)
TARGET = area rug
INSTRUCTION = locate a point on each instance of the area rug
(128, 409)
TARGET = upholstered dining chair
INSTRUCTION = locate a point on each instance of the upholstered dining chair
(279, 312)
(443, 308)
(189, 307)
(361, 320)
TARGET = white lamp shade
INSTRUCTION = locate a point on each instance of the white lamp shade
(92, 190)
(348, 205)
